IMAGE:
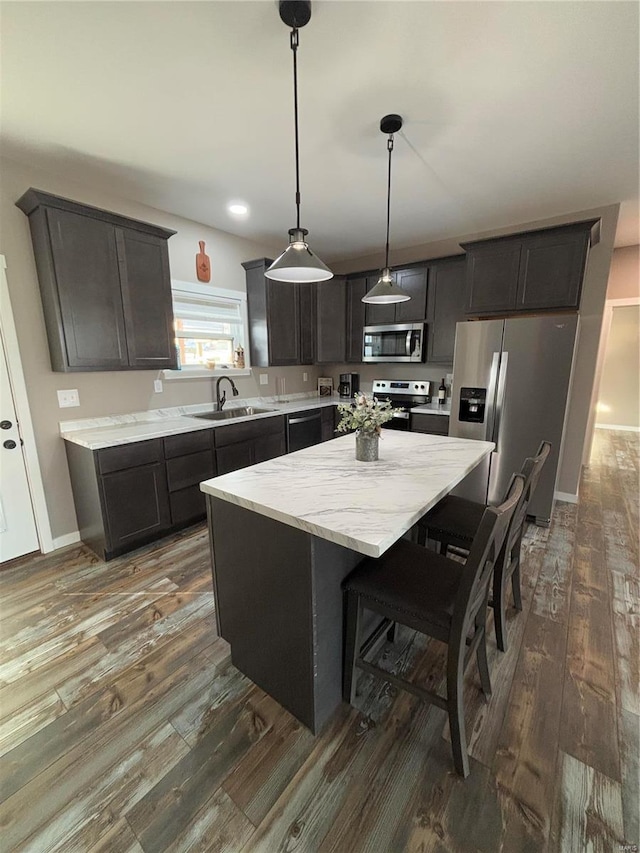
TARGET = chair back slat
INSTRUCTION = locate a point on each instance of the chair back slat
(487, 549)
(531, 470)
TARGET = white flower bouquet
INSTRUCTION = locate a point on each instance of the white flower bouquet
(366, 415)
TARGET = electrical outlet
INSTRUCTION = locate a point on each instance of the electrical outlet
(264, 378)
(66, 399)
(305, 377)
(157, 385)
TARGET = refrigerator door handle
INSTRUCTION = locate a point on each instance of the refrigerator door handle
(491, 396)
(502, 384)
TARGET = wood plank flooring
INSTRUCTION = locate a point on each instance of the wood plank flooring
(124, 726)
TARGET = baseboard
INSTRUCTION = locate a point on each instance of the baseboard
(567, 497)
(67, 539)
(618, 427)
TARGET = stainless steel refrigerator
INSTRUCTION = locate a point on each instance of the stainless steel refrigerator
(511, 381)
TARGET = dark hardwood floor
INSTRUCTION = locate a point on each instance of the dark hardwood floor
(124, 726)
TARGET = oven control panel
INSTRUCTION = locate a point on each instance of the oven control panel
(421, 387)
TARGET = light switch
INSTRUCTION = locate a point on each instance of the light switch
(157, 385)
(305, 377)
(264, 378)
(69, 398)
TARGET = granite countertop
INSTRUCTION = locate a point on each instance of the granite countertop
(365, 506)
(110, 431)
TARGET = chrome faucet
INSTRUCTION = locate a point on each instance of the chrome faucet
(220, 401)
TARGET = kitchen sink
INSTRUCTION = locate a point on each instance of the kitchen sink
(229, 414)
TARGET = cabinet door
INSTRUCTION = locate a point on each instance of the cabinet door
(283, 322)
(430, 424)
(331, 315)
(85, 260)
(414, 282)
(231, 457)
(268, 447)
(356, 289)
(146, 295)
(446, 308)
(551, 270)
(376, 314)
(307, 302)
(492, 278)
(136, 506)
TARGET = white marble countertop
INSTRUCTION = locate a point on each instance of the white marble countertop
(110, 431)
(365, 506)
(432, 409)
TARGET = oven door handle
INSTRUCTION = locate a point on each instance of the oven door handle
(402, 415)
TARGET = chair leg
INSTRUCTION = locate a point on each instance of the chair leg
(483, 665)
(455, 703)
(499, 611)
(515, 585)
(351, 646)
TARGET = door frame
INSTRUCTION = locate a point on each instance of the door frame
(21, 402)
(607, 317)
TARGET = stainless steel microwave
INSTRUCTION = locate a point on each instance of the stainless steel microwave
(394, 342)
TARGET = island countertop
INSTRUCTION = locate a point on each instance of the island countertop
(364, 506)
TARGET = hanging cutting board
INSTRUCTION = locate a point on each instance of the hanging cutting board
(203, 264)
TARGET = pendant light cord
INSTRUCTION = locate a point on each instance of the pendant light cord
(386, 251)
(294, 48)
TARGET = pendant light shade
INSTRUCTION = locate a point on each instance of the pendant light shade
(297, 262)
(386, 290)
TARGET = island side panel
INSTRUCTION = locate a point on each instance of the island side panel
(331, 564)
(263, 591)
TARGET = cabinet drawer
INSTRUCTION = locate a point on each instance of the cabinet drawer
(433, 424)
(129, 455)
(187, 506)
(188, 442)
(247, 431)
(183, 471)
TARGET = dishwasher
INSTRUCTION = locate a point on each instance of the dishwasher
(303, 429)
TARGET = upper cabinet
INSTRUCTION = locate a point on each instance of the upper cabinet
(356, 289)
(534, 271)
(281, 318)
(331, 320)
(105, 286)
(445, 307)
(414, 281)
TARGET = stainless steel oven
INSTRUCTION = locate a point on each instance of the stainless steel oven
(402, 393)
(401, 342)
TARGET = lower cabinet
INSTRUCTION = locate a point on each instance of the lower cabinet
(241, 445)
(431, 424)
(328, 423)
(136, 507)
(189, 460)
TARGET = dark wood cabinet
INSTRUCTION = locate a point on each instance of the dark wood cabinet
(356, 309)
(445, 307)
(189, 460)
(533, 271)
(414, 281)
(281, 318)
(120, 494)
(105, 286)
(331, 320)
(328, 423)
(240, 445)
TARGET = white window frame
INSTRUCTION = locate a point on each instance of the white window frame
(201, 371)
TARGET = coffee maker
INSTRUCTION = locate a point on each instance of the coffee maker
(349, 385)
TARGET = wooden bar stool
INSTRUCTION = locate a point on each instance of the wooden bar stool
(439, 597)
(454, 522)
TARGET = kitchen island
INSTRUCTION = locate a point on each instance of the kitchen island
(285, 533)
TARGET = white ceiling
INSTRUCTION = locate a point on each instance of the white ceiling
(514, 111)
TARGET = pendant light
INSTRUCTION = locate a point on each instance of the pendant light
(297, 262)
(386, 290)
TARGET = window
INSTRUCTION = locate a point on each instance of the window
(210, 325)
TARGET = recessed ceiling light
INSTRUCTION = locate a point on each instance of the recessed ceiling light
(238, 209)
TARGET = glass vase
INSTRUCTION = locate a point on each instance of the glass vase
(367, 446)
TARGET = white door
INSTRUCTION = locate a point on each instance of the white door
(18, 533)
